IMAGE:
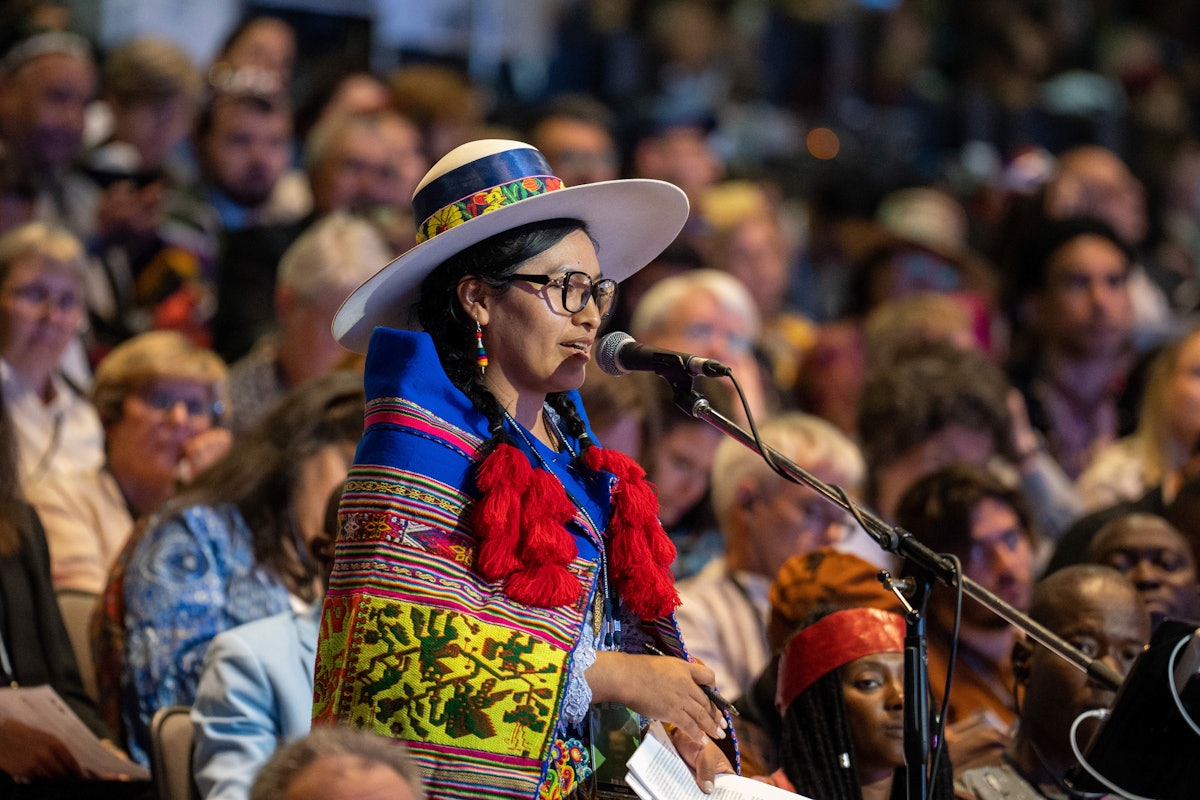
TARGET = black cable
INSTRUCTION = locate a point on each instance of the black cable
(945, 707)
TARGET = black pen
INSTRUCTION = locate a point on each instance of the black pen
(717, 700)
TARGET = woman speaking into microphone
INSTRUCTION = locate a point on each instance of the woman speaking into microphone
(500, 577)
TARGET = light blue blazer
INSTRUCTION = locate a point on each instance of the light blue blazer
(255, 693)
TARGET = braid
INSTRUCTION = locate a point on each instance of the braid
(566, 410)
(815, 734)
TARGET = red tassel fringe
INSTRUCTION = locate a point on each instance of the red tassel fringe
(502, 478)
(521, 520)
(640, 552)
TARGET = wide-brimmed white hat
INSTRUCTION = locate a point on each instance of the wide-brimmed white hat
(490, 186)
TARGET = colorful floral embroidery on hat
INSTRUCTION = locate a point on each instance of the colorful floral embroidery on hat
(480, 203)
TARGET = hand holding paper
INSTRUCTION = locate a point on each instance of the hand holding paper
(64, 744)
(656, 772)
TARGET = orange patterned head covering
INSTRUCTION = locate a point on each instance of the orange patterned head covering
(822, 578)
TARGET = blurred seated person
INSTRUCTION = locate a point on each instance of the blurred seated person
(339, 763)
(161, 400)
(904, 325)
(921, 323)
(242, 141)
(965, 511)
(1167, 433)
(765, 519)
(807, 584)
(678, 458)
(575, 133)
(41, 314)
(1156, 558)
(941, 405)
(1073, 347)
(677, 149)
(621, 408)
(936, 407)
(832, 371)
(150, 89)
(255, 690)
(229, 550)
(750, 242)
(47, 80)
(841, 697)
(352, 164)
(708, 313)
(1099, 612)
(261, 42)
(831, 374)
(1094, 181)
(918, 243)
(37, 652)
(316, 274)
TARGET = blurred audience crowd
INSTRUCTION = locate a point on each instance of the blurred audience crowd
(950, 250)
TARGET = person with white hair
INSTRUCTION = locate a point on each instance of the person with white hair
(765, 520)
(709, 313)
(42, 289)
(325, 264)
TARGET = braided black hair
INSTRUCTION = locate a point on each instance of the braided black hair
(441, 315)
(810, 753)
(816, 732)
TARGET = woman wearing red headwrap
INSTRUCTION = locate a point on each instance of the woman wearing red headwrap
(841, 694)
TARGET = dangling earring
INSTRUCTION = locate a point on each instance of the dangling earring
(481, 359)
(844, 761)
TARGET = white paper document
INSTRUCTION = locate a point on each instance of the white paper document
(40, 707)
(656, 772)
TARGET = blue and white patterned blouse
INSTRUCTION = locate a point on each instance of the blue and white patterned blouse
(191, 576)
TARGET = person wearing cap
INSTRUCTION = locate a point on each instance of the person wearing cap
(498, 572)
(841, 695)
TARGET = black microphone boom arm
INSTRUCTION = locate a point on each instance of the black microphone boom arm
(896, 540)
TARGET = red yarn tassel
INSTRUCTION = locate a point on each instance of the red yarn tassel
(544, 585)
(520, 522)
(546, 546)
(502, 478)
(545, 511)
(640, 552)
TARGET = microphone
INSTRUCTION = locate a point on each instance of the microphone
(619, 354)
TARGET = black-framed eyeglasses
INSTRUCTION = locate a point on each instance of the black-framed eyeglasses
(577, 289)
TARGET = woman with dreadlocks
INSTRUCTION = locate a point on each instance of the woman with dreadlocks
(841, 695)
(498, 573)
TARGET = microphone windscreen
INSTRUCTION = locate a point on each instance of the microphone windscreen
(606, 352)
